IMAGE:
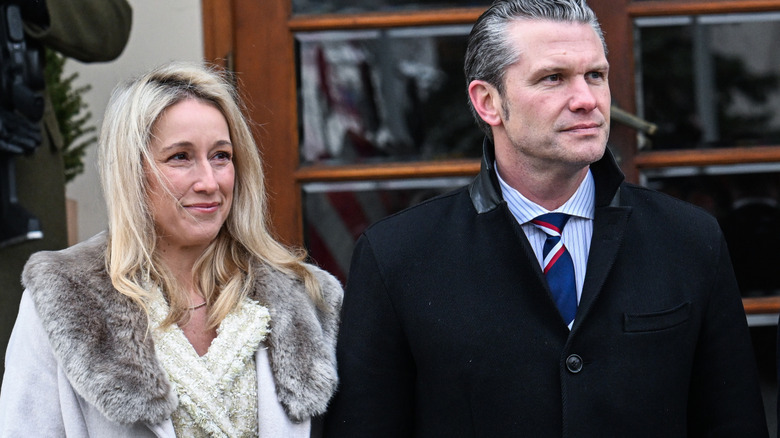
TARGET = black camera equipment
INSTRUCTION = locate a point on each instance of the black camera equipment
(21, 108)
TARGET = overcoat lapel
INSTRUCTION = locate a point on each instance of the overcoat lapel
(530, 270)
(609, 228)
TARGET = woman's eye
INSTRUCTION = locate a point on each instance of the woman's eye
(226, 156)
(178, 156)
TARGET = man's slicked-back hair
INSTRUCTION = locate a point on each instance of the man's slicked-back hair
(489, 52)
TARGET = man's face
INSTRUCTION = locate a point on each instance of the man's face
(555, 105)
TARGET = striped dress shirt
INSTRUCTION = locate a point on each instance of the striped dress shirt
(576, 234)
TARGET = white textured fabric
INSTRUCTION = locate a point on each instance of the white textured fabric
(577, 233)
(217, 391)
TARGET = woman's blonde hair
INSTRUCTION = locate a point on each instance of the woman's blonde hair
(223, 273)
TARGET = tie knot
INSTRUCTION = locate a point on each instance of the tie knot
(551, 223)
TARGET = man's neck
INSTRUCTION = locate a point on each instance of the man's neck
(549, 189)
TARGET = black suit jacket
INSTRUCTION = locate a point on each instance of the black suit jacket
(449, 329)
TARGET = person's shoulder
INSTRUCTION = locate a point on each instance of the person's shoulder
(331, 287)
(76, 260)
(666, 209)
(273, 285)
(71, 282)
(641, 194)
(421, 216)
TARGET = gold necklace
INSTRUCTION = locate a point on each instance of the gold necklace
(197, 307)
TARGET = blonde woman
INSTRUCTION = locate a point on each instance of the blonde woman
(185, 318)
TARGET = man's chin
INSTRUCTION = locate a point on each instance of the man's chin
(591, 153)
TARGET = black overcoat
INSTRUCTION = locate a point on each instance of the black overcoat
(449, 329)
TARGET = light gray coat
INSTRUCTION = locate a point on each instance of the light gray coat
(80, 361)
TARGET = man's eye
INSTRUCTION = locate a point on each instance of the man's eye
(596, 75)
(553, 78)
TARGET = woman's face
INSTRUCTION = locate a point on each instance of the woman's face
(191, 147)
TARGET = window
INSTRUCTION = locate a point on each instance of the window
(351, 98)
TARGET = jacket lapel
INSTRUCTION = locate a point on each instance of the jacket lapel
(609, 226)
(302, 341)
(163, 429)
(531, 276)
(98, 335)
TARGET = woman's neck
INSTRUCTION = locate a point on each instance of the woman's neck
(180, 262)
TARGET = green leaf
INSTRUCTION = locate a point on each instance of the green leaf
(71, 112)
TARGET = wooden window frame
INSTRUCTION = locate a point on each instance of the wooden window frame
(256, 39)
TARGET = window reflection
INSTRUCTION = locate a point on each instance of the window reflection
(395, 94)
(709, 80)
(335, 214)
(745, 200)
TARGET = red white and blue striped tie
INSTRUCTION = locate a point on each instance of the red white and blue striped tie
(558, 266)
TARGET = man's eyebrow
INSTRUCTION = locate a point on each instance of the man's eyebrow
(545, 70)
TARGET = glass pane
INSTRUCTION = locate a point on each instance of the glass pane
(744, 199)
(392, 95)
(709, 80)
(335, 214)
(360, 6)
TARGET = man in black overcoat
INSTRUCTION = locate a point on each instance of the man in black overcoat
(454, 322)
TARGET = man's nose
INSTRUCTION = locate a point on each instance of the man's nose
(583, 97)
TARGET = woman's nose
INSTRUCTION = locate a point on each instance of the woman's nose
(206, 180)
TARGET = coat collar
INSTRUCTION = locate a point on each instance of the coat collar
(485, 191)
(100, 340)
(610, 222)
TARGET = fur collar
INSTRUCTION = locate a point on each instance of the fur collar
(99, 336)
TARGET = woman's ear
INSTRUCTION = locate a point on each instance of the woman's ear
(486, 101)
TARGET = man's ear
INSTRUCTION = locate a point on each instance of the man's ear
(486, 101)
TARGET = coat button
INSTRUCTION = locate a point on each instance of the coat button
(574, 364)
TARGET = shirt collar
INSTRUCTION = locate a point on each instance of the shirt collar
(581, 204)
